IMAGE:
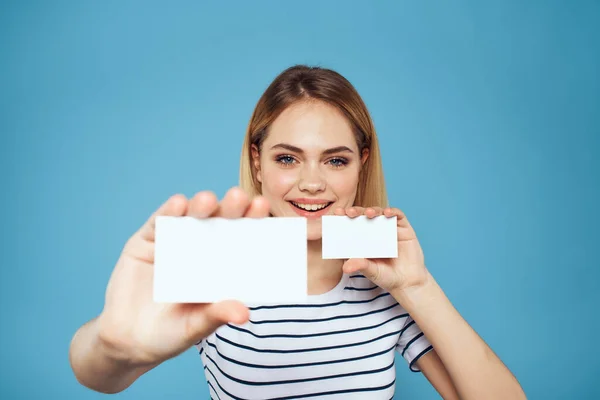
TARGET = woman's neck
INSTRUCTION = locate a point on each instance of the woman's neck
(323, 275)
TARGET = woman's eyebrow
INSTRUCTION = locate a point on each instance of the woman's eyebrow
(338, 149)
(298, 150)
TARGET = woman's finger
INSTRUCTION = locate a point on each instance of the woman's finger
(372, 212)
(353, 212)
(175, 206)
(234, 205)
(203, 204)
(259, 208)
(400, 216)
(141, 250)
(205, 319)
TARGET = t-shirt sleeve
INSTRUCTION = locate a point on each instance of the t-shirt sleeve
(201, 347)
(412, 344)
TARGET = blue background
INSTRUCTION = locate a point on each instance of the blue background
(488, 114)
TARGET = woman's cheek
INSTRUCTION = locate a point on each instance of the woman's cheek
(279, 182)
(343, 184)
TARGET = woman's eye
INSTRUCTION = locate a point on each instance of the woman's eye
(338, 162)
(286, 160)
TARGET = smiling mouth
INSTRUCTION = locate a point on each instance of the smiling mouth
(311, 207)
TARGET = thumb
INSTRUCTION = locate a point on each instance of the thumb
(203, 321)
(363, 265)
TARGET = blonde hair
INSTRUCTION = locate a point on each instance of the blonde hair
(300, 83)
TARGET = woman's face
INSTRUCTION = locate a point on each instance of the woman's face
(309, 163)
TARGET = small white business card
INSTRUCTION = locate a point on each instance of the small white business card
(359, 237)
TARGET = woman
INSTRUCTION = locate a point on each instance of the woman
(310, 150)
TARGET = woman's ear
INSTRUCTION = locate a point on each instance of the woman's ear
(256, 162)
(364, 156)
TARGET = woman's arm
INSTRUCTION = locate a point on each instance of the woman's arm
(97, 366)
(133, 333)
(476, 372)
(436, 373)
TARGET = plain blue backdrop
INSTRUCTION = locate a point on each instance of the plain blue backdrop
(488, 114)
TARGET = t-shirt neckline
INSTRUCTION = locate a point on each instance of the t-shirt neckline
(332, 294)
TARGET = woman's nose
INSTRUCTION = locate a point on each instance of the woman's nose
(311, 180)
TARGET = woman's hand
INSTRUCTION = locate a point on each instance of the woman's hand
(140, 332)
(392, 274)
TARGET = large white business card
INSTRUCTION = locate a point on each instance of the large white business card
(253, 260)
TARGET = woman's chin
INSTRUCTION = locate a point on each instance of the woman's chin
(314, 231)
(313, 238)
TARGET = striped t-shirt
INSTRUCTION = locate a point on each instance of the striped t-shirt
(337, 345)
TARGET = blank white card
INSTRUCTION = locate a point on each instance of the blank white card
(251, 260)
(359, 237)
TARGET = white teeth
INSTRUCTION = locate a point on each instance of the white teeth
(310, 207)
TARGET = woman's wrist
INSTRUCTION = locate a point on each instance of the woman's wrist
(418, 297)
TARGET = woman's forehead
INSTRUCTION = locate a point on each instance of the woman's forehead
(311, 126)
